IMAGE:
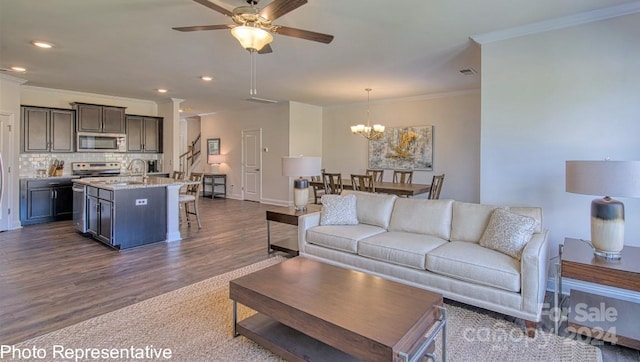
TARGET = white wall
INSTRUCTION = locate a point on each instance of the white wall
(273, 119)
(305, 130)
(456, 138)
(556, 96)
(10, 105)
(58, 98)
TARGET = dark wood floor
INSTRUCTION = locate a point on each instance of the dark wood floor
(52, 277)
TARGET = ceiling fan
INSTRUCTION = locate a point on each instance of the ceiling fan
(253, 26)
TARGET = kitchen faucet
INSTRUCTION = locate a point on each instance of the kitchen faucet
(144, 167)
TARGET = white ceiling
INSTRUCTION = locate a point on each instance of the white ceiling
(127, 48)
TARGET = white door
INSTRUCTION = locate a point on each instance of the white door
(251, 164)
(6, 122)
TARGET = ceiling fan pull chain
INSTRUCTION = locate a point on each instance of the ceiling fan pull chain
(255, 73)
(252, 90)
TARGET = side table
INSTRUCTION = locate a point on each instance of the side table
(597, 316)
(286, 215)
(214, 180)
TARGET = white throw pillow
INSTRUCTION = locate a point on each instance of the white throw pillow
(508, 233)
(338, 210)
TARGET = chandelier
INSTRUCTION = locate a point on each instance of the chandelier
(368, 132)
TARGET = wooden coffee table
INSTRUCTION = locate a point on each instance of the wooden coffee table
(312, 311)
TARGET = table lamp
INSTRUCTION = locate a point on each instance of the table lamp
(609, 178)
(216, 160)
(300, 167)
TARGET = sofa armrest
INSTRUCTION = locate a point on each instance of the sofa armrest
(305, 222)
(534, 264)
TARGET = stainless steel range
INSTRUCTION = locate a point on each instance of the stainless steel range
(95, 169)
(88, 169)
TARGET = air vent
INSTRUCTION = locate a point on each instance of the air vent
(468, 71)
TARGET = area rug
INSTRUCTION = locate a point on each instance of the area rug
(194, 324)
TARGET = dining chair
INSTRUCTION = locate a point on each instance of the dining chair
(318, 190)
(189, 200)
(362, 183)
(377, 174)
(436, 187)
(403, 176)
(332, 183)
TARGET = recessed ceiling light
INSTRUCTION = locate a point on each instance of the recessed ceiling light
(180, 110)
(19, 69)
(162, 90)
(206, 78)
(42, 44)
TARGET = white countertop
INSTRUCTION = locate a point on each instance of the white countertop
(129, 182)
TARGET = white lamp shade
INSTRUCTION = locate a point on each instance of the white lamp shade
(252, 38)
(301, 166)
(603, 178)
(216, 159)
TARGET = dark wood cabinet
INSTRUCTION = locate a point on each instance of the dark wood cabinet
(100, 214)
(139, 217)
(99, 118)
(47, 130)
(144, 134)
(45, 200)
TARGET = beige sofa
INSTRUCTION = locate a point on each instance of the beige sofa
(434, 245)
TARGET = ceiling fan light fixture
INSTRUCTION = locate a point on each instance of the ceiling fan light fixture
(252, 38)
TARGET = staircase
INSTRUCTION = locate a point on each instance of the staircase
(191, 159)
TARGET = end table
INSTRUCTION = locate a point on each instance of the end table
(214, 180)
(593, 315)
(286, 215)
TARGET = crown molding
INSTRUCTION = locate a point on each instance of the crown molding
(12, 79)
(459, 93)
(558, 23)
(85, 94)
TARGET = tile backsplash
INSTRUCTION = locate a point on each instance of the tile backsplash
(30, 162)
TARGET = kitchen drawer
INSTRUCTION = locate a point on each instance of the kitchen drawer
(92, 191)
(48, 183)
(105, 194)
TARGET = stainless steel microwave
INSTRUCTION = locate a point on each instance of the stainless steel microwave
(101, 142)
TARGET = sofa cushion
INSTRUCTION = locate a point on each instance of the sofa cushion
(430, 217)
(508, 232)
(475, 264)
(373, 209)
(341, 237)
(402, 248)
(338, 210)
(469, 221)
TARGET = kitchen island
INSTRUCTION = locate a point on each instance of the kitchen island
(125, 212)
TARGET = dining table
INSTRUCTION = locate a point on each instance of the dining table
(387, 187)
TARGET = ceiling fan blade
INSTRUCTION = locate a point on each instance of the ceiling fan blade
(303, 34)
(215, 7)
(277, 8)
(265, 49)
(202, 27)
